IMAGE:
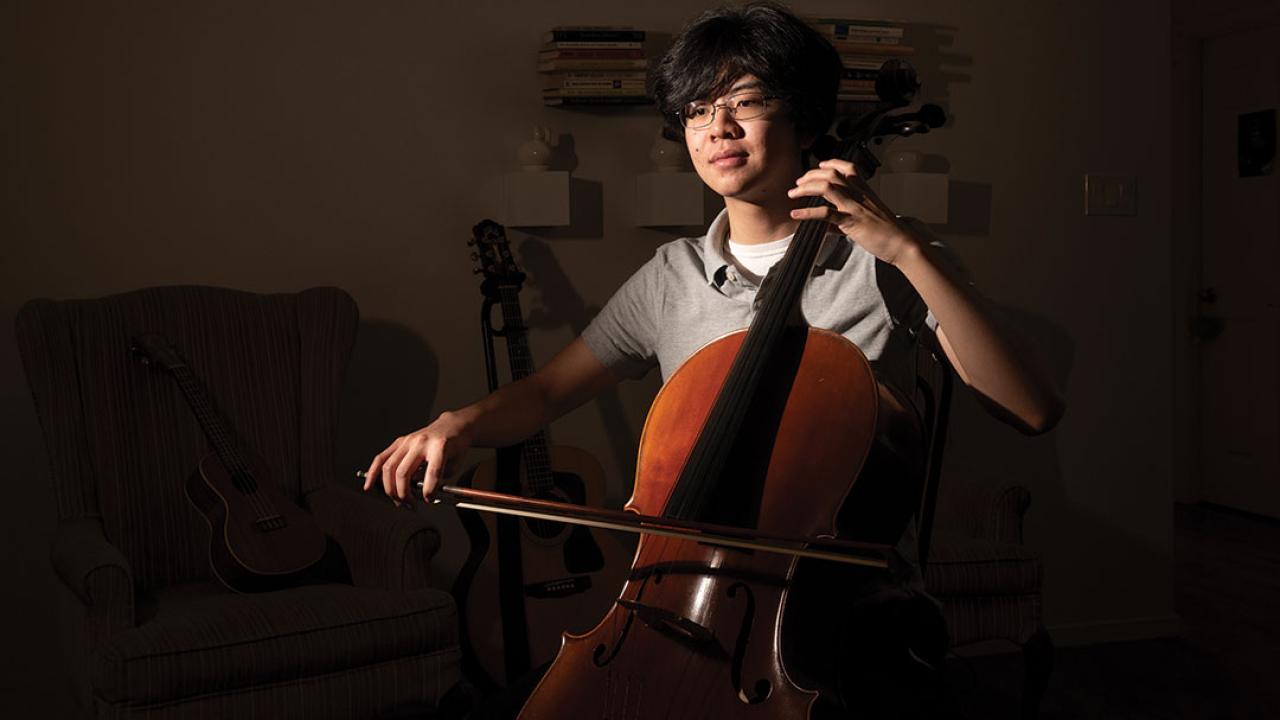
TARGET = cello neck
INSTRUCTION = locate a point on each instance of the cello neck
(702, 484)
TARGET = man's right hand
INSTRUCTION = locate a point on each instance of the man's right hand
(429, 452)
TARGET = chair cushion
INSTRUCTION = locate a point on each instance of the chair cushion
(967, 566)
(202, 639)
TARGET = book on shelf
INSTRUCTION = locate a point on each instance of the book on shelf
(600, 54)
(639, 75)
(592, 45)
(594, 78)
(594, 33)
(846, 25)
(863, 40)
(862, 62)
(850, 73)
(575, 64)
(857, 97)
(598, 100)
(855, 85)
(552, 83)
(592, 92)
(852, 48)
(631, 85)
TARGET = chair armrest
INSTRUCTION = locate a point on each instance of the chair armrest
(1008, 508)
(385, 547)
(985, 512)
(96, 572)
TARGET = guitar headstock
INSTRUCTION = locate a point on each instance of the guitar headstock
(151, 348)
(493, 258)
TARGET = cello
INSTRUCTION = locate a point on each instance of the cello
(780, 431)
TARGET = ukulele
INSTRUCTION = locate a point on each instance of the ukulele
(259, 540)
(528, 580)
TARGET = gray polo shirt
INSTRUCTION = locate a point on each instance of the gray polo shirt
(690, 294)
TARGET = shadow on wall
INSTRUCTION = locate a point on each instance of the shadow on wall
(391, 387)
(985, 452)
(937, 67)
(1074, 542)
(968, 209)
(558, 304)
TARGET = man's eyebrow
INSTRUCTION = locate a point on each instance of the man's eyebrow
(749, 85)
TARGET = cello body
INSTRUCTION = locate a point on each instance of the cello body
(698, 630)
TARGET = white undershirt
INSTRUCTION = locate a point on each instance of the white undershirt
(754, 261)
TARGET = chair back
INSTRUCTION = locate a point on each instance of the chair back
(933, 397)
(121, 438)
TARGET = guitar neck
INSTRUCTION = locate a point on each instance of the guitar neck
(533, 451)
(197, 397)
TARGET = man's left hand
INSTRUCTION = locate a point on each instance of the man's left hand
(853, 207)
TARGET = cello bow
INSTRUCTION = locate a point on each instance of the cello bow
(833, 549)
(850, 552)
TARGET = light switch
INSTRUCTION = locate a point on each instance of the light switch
(1110, 194)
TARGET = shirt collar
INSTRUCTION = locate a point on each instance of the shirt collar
(831, 256)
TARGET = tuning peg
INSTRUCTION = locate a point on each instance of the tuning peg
(472, 241)
(476, 271)
(475, 256)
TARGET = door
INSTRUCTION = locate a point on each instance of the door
(1240, 272)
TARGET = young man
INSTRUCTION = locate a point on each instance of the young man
(749, 89)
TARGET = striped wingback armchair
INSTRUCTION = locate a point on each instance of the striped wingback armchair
(148, 634)
(988, 582)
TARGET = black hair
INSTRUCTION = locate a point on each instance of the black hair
(791, 59)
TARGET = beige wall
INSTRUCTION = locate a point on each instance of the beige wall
(283, 145)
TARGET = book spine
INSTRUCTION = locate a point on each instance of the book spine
(860, 73)
(865, 22)
(592, 45)
(591, 35)
(599, 75)
(864, 39)
(873, 48)
(591, 54)
(859, 62)
(842, 29)
(593, 92)
(598, 100)
(636, 85)
(588, 64)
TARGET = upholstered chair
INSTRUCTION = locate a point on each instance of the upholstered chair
(148, 631)
(988, 581)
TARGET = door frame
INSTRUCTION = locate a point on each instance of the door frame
(1193, 23)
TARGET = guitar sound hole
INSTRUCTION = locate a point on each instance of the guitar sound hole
(545, 529)
(548, 529)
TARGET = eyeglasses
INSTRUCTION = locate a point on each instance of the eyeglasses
(743, 106)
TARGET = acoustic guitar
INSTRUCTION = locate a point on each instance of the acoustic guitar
(259, 539)
(527, 581)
